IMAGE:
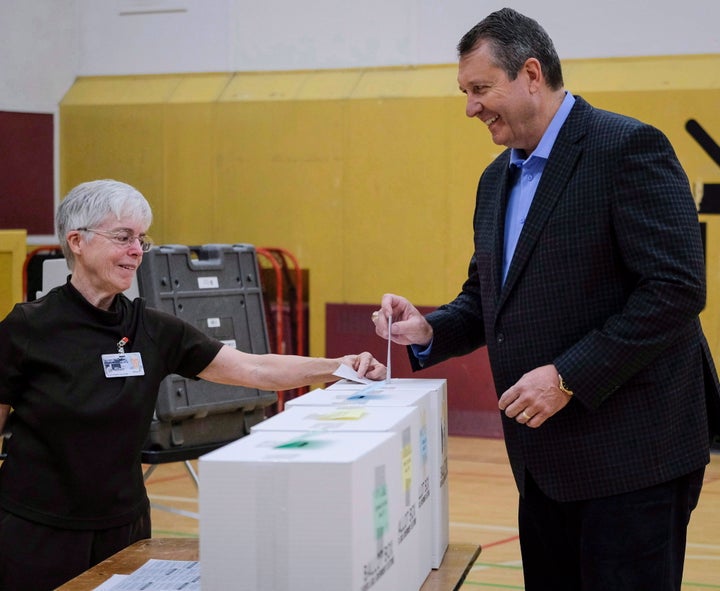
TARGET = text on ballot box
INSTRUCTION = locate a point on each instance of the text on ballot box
(430, 396)
(300, 511)
(413, 531)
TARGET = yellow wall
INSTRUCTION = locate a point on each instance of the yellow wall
(12, 259)
(367, 176)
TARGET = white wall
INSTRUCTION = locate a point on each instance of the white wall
(44, 44)
(38, 53)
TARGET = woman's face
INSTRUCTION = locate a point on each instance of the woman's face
(105, 259)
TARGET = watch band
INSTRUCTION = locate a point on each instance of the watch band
(564, 387)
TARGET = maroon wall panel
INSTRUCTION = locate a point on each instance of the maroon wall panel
(26, 172)
(472, 402)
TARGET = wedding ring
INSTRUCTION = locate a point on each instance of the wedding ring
(375, 316)
(526, 415)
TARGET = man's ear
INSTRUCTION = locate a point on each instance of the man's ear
(534, 73)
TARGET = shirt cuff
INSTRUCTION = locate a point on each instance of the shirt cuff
(422, 354)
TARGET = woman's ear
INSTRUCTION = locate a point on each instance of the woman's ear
(73, 239)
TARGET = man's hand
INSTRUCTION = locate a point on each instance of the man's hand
(409, 327)
(535, 397)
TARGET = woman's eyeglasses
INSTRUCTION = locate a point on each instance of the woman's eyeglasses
(122, 238)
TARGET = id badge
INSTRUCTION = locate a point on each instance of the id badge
(122, 365)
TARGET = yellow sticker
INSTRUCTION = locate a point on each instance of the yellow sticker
(343, 414)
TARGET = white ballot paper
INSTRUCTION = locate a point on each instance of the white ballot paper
(161, 575)
(348, 373)
(387, 378)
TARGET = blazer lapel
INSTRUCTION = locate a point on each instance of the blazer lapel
(556, 175)
(501, 199)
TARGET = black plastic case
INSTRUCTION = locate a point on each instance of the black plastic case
(216, 288)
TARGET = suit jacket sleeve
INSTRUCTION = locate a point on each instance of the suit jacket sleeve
(656, 236)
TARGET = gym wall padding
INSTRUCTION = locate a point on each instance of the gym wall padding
(368, 176)
(12, 258)
(26, 172)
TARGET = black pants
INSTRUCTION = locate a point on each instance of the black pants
(628, 542)
(35, 557)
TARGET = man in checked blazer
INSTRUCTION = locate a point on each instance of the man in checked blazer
(585, 284)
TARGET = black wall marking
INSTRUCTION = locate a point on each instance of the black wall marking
(711, 192)
(703, 138)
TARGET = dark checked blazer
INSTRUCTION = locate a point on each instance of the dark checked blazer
(606, 282)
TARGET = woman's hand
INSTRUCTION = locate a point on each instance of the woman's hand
(366, 366)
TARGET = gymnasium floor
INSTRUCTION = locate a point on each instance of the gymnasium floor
(482, 511)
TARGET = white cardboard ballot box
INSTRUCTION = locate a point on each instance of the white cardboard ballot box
(301, 511)
(413, 532)
(430, 396)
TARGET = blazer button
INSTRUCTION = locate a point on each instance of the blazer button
(500, 338)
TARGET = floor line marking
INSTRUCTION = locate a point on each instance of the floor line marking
(500, 542)
(512, 565)
(464, 525)
(706, 546)
(172, 498)
(493, 585)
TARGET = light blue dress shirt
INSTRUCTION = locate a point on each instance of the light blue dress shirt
(527, 173)
(527, 177)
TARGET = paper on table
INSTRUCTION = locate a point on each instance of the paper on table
(162, 575)
(111, 583)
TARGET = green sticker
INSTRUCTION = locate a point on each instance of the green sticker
(380, 503)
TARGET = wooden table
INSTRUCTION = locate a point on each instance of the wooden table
(458, 560)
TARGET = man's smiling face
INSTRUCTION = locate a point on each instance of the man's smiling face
(508, 107)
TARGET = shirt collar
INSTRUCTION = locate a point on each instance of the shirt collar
(548, 139)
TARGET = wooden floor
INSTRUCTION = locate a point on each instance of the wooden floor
(483, 503)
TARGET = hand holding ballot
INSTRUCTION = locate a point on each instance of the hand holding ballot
(409, 327)
(364, 366)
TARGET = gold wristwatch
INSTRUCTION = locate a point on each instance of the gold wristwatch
(564, 387)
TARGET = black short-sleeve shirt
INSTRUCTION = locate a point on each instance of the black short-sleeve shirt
(74, 454)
